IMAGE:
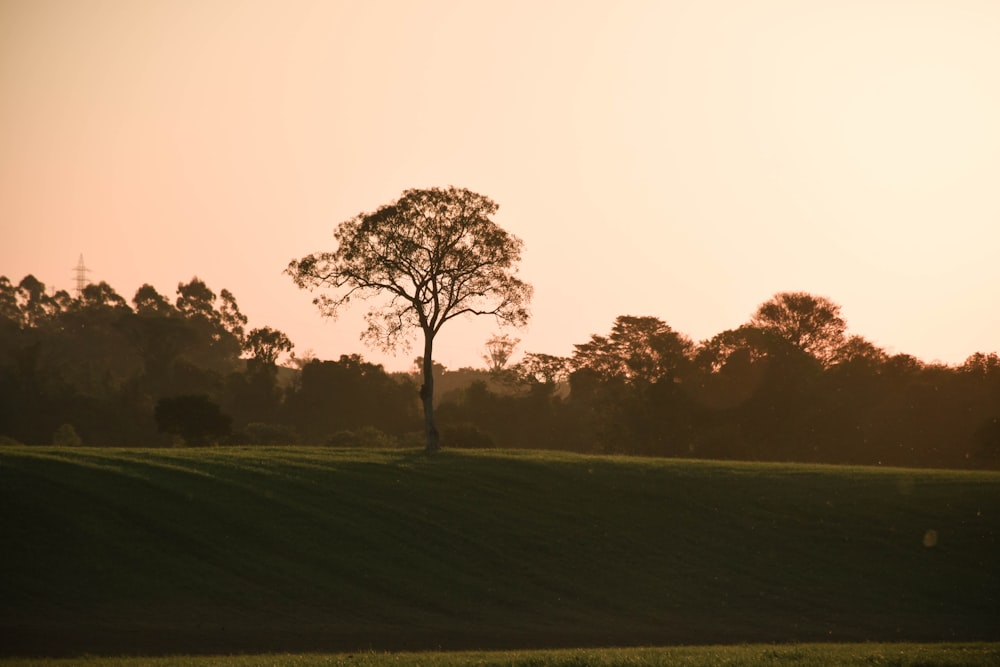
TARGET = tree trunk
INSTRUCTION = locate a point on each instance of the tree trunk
(427, 396)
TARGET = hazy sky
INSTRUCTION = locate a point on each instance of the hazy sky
(679, 159)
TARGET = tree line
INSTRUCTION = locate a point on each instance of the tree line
(96, 369)
(789, 384)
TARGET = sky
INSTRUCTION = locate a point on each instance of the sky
(681, 159)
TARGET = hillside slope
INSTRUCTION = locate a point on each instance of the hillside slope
(246, 549)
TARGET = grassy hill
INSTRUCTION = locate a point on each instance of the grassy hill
(248, 549)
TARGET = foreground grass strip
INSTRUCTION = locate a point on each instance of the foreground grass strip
(800, 655)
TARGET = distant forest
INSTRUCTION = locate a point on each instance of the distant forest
(789, 385)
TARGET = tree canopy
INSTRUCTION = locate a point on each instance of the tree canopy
(811, 323)
(498, 351)
(639, 349)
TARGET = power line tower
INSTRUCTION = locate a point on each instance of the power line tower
(81, 276)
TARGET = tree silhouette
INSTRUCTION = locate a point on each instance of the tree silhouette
(624, 384)
(432, 256)
(638, 350)
(265, 345)
(349, 394)
(857, 353)
(35, 305)
(810, 323)
(216, 331)
(93, 347)
(547, 370)
(196, 418)
(254, 397)
(498, 352)
(148, 301)
(9, 310)
(750, 343)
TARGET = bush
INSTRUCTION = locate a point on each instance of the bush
(366, 436)
(413, 440)
(195, 418)
(66, 436)
(466, 436)
(260, 433)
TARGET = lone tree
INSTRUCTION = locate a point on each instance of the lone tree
(431, 256)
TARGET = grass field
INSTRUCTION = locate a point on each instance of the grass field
(797, 655)
(248, 550)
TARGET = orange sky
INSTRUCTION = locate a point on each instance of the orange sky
(679, 159)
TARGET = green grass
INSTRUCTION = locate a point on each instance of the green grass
(253, 550)
(797, 655)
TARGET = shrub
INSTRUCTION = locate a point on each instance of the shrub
(366, 436)
(66, 436)
(195, 418)
(466, 436)
(260, 433)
